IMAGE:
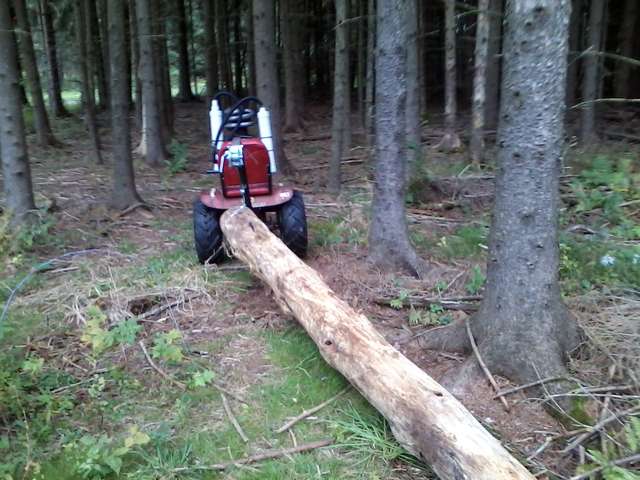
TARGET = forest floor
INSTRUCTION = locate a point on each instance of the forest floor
(80, 398)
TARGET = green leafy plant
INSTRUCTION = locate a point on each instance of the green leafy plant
(100, 337)
(201, 378)
(178, 160)
(165, 347)
(398, 302)
(476, 282)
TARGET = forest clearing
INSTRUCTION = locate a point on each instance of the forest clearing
(500, 259)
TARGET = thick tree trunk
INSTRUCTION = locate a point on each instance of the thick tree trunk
(124, 188)
(135, 64)
(626, 39)
(492, 104)
(576, 35)
(369, 93)
(267, 72)
(224, 61)
(292, 46)
(88, 100)
(251, 58)
(165, 96)
(389, 244)
(451, 140)
(210, 48)
(237, 54)
(426, 419)
(104, 43)
(13, 151)
(413, 141)
(523, 329)
(184, 73)
(341, 100)
(152, 144)
(592, 72)
(476, 147)
(362, 58)
(40, 118)
(55, 88)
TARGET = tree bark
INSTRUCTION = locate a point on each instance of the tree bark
(184, 72)
(523, 329)
(210, 48)
(251, 58)
(224, 62)
(426, 419)
(369, 93)
(626, 39)
(40, 117)
(103, 20)
(55, 88)
(124, 188)
(476, 147)
(341, 100)
(492, 103)
(291, 25)
(451, 140)
(361, 59)
(267, 72)
(592, 72)
(13, 147)
(413, 141)
(88, 100)
(152, 144)
(161, 53)
(389, 244)
(135, 64)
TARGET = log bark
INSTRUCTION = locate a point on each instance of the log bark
(426, 419)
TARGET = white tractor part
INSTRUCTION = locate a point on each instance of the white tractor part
(266, 136)
(215, 122)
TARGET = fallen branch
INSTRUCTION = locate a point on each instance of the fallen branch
(268, 455)
(580, 439)
(162, 373)
(166, 306)
(345, 161)
(311, 411)
(509, 391)
(616, 463)
(449, 303)
(233, 419)
(486, 371)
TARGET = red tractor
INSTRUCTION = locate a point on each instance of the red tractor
(245, 161)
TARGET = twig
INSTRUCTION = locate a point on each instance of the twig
(345, 161)
(311, 411)
(509, 391)
(133, 207)
(162, 373)
(580, 439)
(486, 371)
(233, 419)
(616, 463)
(167, 306)
(268, 455)
(231, 394)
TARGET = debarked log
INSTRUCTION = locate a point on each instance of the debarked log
(427, 420)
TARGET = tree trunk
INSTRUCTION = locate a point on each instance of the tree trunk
(476, 147)
(184, 74)
(426, 419)
(13, 147)
(523, 329)
(104, 44)
(369, 93)
(592, 74)
(389, 244)
(362, 56)
(575, 49)
(94, 53)
(341, 98)
(267, 72)
(88, 101)
(237, 54)
(413, 141)
(492, 104)
(165, 96)
(291, 31)
(251, 58)
(152, 144)
(223, 40)
(40, 118)
(451, 140)
(625, 46)
(55, 89)
(210, 48)
(135, 64)
(124, 188)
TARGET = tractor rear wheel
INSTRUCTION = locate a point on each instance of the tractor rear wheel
(207, 233)
(292, 221)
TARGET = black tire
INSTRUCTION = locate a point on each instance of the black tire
(207, 233)
(292, 221)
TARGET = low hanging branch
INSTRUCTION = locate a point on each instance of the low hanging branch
(426, 419)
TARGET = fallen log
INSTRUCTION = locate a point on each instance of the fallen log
(427, 420)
